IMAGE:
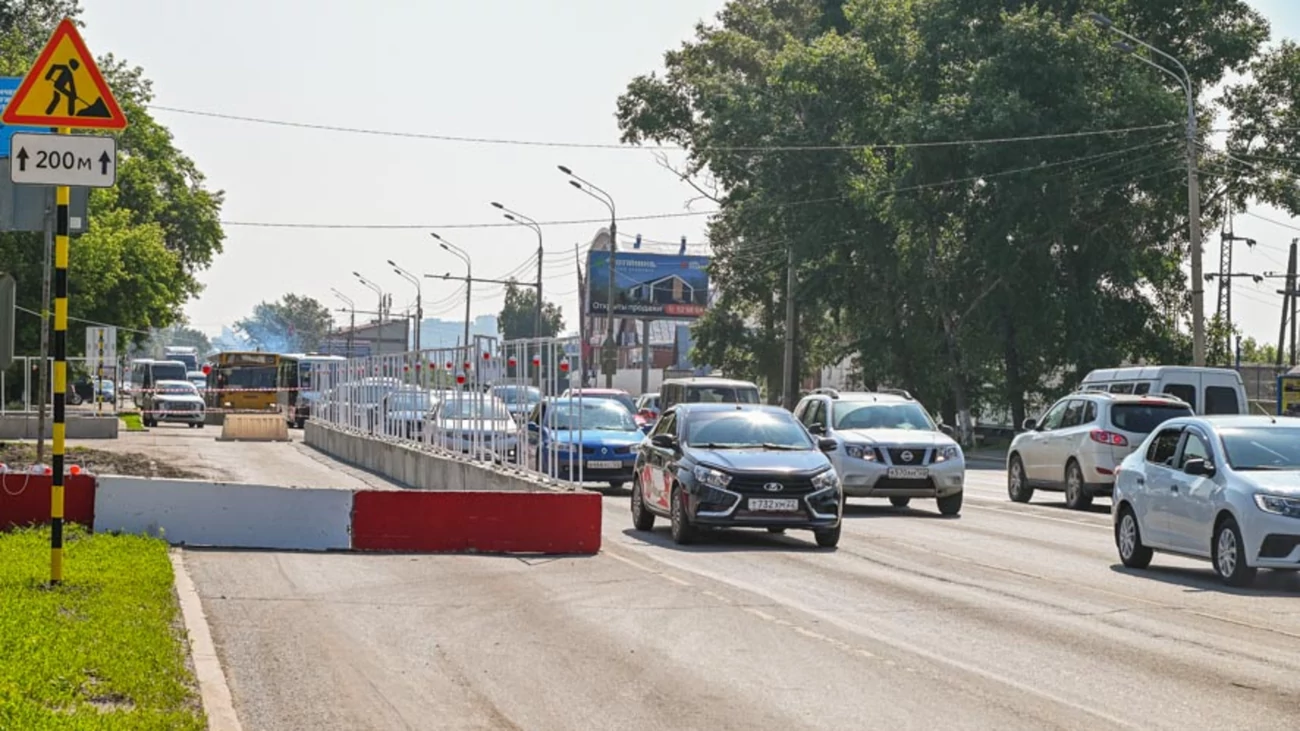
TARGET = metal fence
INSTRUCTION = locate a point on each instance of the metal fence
(81, 389)
(478, 403)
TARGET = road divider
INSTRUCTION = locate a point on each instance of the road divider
(25, 499)
(254, 428)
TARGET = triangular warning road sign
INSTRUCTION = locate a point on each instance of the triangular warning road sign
(64, 88)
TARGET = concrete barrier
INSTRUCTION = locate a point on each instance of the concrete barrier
(416, 468)
(24, 426)
(486, 522)
(195, 512)
(254, 428)
(25, 500)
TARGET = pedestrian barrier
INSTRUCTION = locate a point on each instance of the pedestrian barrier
(25, 499)
(254, 428)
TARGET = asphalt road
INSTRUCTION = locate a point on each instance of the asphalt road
(1008, 617)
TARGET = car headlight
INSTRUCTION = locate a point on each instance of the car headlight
(825, 480)
(1278, 505)
(860, 452)
(711, 477)
(943, 454)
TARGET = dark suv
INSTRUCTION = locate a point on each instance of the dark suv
(738, 466)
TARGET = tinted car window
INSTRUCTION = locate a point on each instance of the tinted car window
(1194, 448)
(1221, 400)
(1121, 388)
(744, 429)
(1262, 448)
(1144, 418)
(1052, 420)
(1090, 412)
(1164, 446)
(1073, 414)
(1183, 391)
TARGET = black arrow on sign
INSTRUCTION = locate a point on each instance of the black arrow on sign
(22, 159)
(104, 160)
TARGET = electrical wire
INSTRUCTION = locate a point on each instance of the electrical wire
(642, 148)
(88, 322)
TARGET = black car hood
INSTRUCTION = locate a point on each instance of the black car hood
(766, 461)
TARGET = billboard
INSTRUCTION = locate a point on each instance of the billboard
(648, 286)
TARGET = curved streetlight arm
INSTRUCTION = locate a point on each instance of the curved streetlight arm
(1153, 49)
(404, 273)
(346, 299)
(591, 189)
(1130, 50)
(369, 284)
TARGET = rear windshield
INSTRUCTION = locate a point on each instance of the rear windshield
(721, 395)
(1144, 418)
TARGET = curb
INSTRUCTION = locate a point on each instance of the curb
(218, 705)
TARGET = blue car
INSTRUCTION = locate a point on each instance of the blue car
(587, 440)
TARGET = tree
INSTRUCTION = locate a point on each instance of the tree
(965, 272)
(518, 317)
(295, 324)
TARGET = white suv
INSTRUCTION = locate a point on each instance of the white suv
(889, 447)
(1079, 442)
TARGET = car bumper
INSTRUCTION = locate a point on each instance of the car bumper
(184, 417)
(1272, 540)
(573, 471)
(871, 479)
(719, 507)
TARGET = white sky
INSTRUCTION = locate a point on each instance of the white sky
(536, 70)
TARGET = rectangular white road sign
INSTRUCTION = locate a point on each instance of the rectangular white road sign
(82, 160)
(94, 357)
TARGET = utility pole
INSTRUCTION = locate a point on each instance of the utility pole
(609, 352)
(645, 356)
(1225, 302)
(1288, 307)
(789, 391)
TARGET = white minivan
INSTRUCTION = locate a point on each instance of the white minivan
(1206, 390)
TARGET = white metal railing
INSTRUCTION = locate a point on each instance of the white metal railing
(82, 389)
(478, 403)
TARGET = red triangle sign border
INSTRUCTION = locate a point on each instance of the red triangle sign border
(115, 119)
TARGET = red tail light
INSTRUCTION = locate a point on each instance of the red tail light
(1108, 437)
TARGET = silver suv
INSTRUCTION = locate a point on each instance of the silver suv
(1080, 441)
(889, 447)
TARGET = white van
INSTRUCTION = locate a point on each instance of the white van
(1206, 390)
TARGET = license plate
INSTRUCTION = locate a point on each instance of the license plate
(909, 473)
(773, 506)
(598, 464)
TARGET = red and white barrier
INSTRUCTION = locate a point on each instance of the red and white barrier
(25, 499)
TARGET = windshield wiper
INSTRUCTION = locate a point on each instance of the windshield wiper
(715, 445)
(1266, 468)
(782, 447)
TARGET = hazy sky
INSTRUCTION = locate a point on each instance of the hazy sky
(538, 70)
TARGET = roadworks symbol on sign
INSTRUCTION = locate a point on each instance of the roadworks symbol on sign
(64, 88)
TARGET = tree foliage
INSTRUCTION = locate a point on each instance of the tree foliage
(968, 273)
(294, 324)
(518, 317)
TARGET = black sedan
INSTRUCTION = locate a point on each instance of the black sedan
(738, 466)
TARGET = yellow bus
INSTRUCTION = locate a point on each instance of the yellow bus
(297, 389)
(242, 381)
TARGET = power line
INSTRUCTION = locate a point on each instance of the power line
(642, 148)
(88, 322)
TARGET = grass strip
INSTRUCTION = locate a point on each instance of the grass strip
(102, 651)
(131, 421)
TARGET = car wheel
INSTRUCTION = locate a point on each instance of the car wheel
(900, 502)
(617, 485)
(683, 532)
(1230, 555)
(1077, 494)
(642, 519)
(1128, 539)
(776, 529)
(950, 505)
(1018, 488)
(829, 538)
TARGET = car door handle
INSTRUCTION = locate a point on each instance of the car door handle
(1173, 488)
(1140, 481)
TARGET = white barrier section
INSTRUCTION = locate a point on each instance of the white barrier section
(225, 515)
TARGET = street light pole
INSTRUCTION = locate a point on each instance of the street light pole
(352, 317)
(376, 289)
(523, 220)
(419, 300)
(469, 277)
(608, 200)
(1193, 183)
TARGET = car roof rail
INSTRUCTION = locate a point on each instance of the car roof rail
(833, 393)
(896, 392)
(1162, 394)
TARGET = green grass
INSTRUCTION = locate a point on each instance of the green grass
(131, 420)
(102, 651)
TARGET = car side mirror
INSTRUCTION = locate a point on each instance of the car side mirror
(826, 444)
(1029, 425)
(946, 429)
(816, 428)
(664, 441)
(1199, 467)
(532, 427)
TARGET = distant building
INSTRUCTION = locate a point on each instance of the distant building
(375, 338)
(438, 333)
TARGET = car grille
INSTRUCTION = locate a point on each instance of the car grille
(612, 450)
(920, 456)
(898, 483)
(754, 485)
(181, 406)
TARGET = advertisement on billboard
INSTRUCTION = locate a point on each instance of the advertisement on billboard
(649, 286)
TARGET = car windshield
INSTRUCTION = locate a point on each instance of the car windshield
(744, 429)
(1139, 418)
(870, 415)
(410, 401)
(593, 414)
(518, 395)
(620, 398)
(1262, 447)
(168, 372)
(183, 388)
(465, 406)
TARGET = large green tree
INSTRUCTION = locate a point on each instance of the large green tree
(518, 317)
(147, 238)
(294, 324)
(967, 272)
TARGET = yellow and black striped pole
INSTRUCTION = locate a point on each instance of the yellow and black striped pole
(62, 199)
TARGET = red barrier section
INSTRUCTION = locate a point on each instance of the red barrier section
(25, 500)
(488, 522)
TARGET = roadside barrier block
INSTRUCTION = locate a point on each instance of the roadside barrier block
(254, 428)
(25, 499)
(486, 522)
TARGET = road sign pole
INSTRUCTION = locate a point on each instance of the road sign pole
(63, 196)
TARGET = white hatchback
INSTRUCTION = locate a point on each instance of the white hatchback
(1078, 443)
(1223, 488)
